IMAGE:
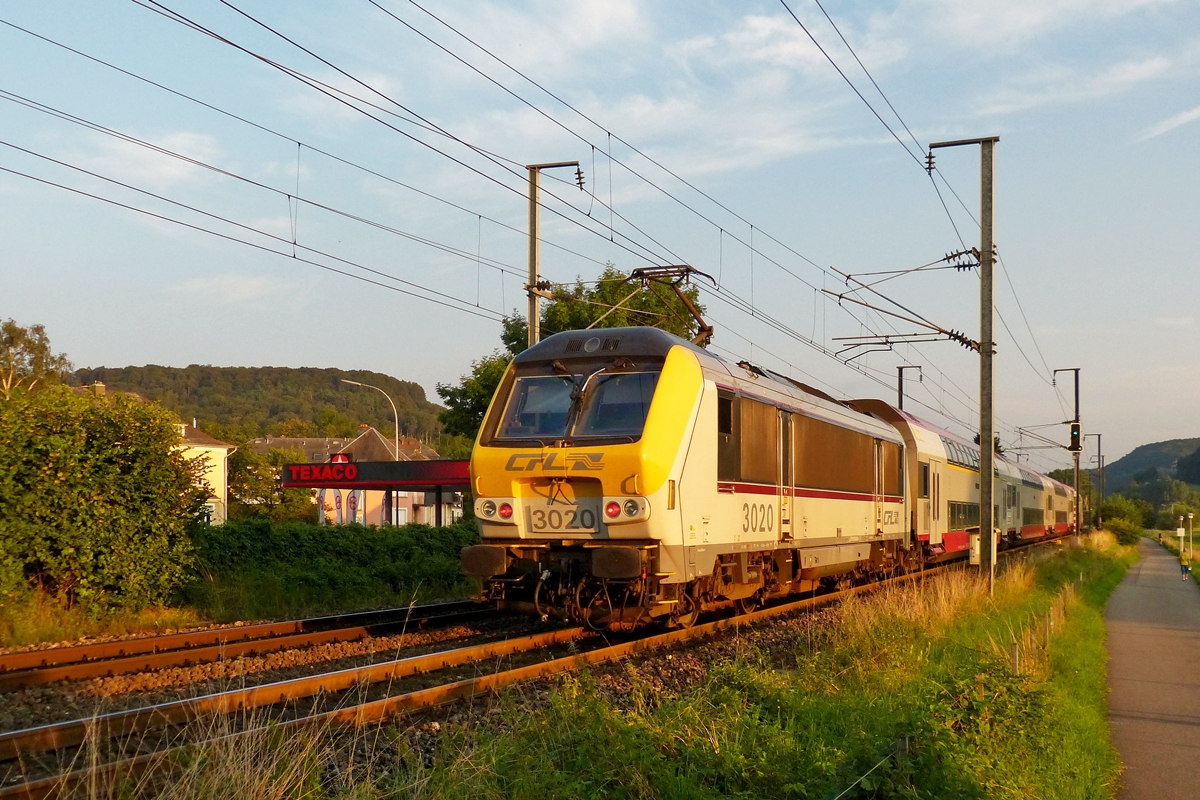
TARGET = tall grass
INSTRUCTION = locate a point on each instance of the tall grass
(37, 617)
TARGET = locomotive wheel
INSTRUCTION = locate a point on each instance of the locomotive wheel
(689, 610)
(745, 605)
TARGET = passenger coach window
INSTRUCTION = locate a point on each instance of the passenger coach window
(923, 480)
(893, 469)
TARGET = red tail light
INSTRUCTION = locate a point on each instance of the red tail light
(505, 511)
(612, 510)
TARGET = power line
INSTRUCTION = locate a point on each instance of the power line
(450, 298)
(289, 138)
(337, 96)
(201, 229)
(41, 107)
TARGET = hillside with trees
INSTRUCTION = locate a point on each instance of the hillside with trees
(1158, 457)
(241, 403)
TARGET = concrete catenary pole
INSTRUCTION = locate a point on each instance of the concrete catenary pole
(1076, 444)
(534, 287)
(987, 525)
(987, 460)
(900, 382)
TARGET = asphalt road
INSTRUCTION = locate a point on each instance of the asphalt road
(1154, 677)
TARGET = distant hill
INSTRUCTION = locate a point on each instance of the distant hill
(244, 402)
(1160, 456)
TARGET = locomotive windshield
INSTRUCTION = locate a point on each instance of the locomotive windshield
(567, 406)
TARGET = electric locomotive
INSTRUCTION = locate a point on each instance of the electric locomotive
(626, 474)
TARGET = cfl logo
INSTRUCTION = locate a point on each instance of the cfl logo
(573, 462)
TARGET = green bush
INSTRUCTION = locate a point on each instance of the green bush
(1126, 532)
(95, 499)
(253, 568)
(1121, 507)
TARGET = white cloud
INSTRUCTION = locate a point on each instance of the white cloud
(1005, 23)
(140, 166)
(228, 288)
(1170, 124)
(1057, 84)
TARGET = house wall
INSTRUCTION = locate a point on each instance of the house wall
(216, 475)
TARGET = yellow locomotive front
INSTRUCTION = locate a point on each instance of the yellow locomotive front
(575, 474)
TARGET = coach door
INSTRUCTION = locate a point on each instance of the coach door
(787, 493)
(923, 510)
(877, 500)
(936, 523)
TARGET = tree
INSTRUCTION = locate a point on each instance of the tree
(256, 490)
(467, 402)
(615, 300)
(1088, 493)
(997, 447)
(96, 499)
(26, 359)
(1188, 467)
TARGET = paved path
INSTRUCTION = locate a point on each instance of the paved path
(1154, 677)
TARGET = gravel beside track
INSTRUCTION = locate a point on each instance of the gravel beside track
(60, 702)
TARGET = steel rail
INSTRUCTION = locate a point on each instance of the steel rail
(54, 656)
(225, 649)
(59, 735)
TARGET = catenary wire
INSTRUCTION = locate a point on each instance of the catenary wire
(466, 308)
(313, 83)
(291, 139)
(227, 221)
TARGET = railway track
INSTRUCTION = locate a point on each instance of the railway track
(31, 745)
(103, 659)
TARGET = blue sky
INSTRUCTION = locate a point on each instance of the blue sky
(1096, 103)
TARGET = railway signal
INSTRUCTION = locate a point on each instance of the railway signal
(1076, 438)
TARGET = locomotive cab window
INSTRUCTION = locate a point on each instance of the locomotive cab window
(593, 403)
(616, 405)
(538, 407)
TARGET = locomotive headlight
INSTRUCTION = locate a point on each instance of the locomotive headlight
(631, 508)
(488, 508)
(612, 510)
(505, 511)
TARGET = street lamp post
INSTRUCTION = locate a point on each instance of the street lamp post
(395, 415)
(396, 438)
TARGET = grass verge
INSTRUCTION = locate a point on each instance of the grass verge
(906, 693)
(910, 695)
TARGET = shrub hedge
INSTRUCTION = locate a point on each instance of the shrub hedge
(95, 500)
(254, 568)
